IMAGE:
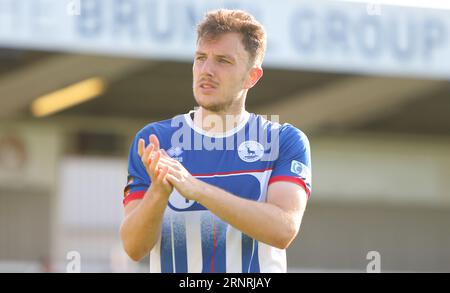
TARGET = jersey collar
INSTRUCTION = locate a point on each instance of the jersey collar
(230, 132)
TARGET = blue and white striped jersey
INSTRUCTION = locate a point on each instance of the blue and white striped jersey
(243, 161)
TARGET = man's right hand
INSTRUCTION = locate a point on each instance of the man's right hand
(141, 225)
(150, 156)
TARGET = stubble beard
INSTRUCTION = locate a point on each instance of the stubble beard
(217, 108)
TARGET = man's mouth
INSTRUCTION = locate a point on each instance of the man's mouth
(207, 86)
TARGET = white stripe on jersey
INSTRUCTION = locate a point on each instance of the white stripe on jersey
(234, 250)
(172, 244)
(155, 257)
(271, 259)
(193, 241)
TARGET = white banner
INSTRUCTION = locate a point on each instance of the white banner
(314, 35)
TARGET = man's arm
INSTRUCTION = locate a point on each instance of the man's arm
(141, 225)
(275, 222)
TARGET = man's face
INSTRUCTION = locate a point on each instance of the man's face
(221, 72)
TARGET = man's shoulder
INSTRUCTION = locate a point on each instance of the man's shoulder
(285, 130)
(290, 130)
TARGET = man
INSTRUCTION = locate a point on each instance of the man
(210, 193)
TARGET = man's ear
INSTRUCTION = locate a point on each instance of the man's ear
(255, 74)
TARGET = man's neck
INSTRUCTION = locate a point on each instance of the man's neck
(218, 123)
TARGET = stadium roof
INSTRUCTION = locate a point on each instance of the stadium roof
(151, 90)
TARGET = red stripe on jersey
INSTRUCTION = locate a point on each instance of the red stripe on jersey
(133, 196)
(292, 179)
(232, 172)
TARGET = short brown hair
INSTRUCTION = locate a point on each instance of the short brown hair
(223, 21)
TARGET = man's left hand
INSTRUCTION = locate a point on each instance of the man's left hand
(186, 184)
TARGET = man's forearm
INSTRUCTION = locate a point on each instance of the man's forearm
(140, 229)
(262, 221)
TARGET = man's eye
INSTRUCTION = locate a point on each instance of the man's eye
(224, 61)
(200, 58)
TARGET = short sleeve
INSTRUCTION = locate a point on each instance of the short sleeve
(294, 161)
(138, 180)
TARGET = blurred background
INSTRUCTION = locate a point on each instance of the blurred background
(367, 81)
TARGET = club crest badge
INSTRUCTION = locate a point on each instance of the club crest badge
(250, 151)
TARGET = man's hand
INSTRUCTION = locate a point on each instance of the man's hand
(186, 184)
(150, 157)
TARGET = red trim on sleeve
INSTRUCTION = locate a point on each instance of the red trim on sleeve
(133, 196)
(292, 179)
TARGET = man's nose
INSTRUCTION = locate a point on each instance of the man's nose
(207, 67)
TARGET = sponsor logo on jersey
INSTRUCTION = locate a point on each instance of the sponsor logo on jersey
(178, 202)
(300, 169)
(175, 152)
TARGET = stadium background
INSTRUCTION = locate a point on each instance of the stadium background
(366, 81)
